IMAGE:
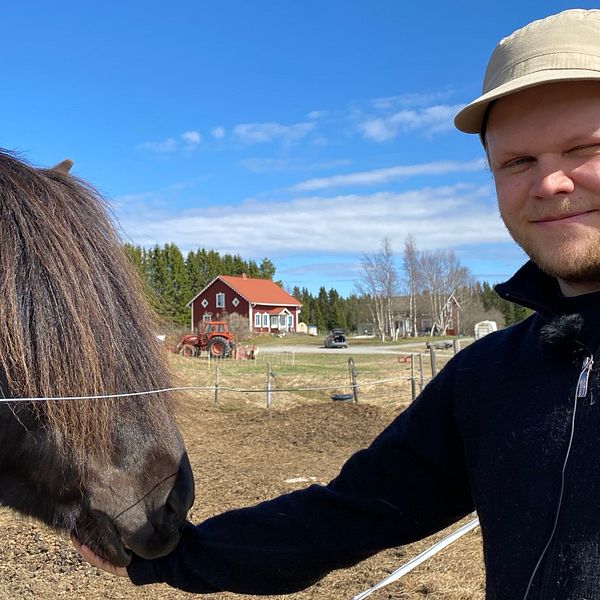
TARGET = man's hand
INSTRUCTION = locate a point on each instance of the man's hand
(95, 560)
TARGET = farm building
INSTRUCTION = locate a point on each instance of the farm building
(268, 308)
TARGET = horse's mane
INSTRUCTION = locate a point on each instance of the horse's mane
(73, 318)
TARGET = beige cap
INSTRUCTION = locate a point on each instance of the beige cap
(562, 47)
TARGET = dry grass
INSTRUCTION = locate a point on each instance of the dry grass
(383, 380)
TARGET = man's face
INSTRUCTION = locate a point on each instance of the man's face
(544, 151)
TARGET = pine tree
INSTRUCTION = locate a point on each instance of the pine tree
(177, 293)
(266, 269)
(511, 313)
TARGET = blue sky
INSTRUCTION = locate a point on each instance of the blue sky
(301, 131)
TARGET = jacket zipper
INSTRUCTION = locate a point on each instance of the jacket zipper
(580, 393)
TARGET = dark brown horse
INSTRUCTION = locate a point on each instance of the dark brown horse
(73, 322)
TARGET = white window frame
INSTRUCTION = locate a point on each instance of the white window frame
(265, 320)
(220, 296)
(257, 319)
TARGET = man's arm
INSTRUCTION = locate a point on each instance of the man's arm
(408, 484)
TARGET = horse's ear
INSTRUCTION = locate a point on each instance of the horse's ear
(64, 166)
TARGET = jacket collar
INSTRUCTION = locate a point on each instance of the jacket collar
(532, 288)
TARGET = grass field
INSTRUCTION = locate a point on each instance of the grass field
(382, 379)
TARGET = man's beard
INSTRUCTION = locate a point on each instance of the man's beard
(576, 261)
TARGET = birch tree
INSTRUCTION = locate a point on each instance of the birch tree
(443, 278)
(379, 284)
(412, 273)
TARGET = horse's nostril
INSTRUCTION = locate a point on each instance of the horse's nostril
(172, 515)
(182, 494)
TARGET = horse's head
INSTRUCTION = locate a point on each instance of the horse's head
(74, 323)
(130, 491)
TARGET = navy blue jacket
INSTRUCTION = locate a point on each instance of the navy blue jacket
(490, 433)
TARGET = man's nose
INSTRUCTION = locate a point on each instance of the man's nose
(551, 177)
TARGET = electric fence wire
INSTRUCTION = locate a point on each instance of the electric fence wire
(205, 388)
(417, 560)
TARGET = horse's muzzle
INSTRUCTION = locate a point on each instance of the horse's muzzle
(161, 532)
(150, 528)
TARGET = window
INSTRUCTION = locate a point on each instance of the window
(220, 300)
(204, 303)
(290, 322)
(257, 320)
(207, 317)
(235, 302)
(265, 320)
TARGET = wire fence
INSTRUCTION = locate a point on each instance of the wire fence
(287, 378)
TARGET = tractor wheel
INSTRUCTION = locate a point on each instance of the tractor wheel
(188, 350)
(218, 347)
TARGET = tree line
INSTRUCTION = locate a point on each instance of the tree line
(428, 283)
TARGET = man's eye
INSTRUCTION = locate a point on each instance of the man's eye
(517, 162)
(586, 150)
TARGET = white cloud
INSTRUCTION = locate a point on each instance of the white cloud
(411, 99)
(257, 133)
(188, 140)
(192, 138)
(168, 145)
(383, 175)
(446, 216)
(218, 133)
(266, 165)
(430, 120)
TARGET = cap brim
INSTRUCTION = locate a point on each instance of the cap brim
(470, 118)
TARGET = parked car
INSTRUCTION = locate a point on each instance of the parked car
(336, 339)
(442, 345)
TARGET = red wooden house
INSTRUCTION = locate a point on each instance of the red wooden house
(267, 307)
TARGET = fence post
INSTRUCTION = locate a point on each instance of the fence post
(413, 383)
(456, 346)
(420, 372)
(216, 382)
(269, 375)
(432, 359)
(353, 373)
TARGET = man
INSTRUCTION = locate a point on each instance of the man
(511, 426)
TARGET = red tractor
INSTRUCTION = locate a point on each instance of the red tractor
(213, 337)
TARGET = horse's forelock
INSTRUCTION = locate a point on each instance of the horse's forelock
(74, 318)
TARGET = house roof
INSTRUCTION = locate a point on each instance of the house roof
(256, 291)
(276, 311)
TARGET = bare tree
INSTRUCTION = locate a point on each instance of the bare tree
(411, 270)
(379, 284)
(443, 279)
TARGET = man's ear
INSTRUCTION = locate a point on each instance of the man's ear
(64, 166)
